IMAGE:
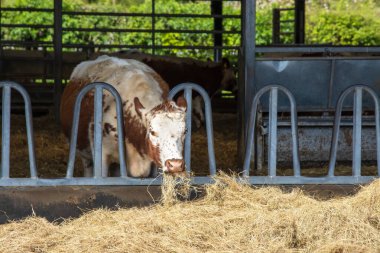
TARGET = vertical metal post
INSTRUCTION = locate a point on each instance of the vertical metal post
(217, 9)
(6, 128)
(188, 87)
(276, 26)
(247, 87)
(153, 27)
(260, 143)
(377, 122)
(295, 146)
(331, 83)
(272, 139)
(1, 22)
(299, 25)
(357, 132)
(29, 131)
(209, 129)
(98, 120)
(57, 57)
(188, 97)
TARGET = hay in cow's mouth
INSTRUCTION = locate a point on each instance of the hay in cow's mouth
(231, 217)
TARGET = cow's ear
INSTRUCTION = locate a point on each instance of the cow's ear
(226, 63)
(138, 106)
(181, 102)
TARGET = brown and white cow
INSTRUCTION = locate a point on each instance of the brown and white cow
(212, 76)
(154, 127)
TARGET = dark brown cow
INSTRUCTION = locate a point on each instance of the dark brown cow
(175, 70)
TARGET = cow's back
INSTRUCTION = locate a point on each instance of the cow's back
(176, 70)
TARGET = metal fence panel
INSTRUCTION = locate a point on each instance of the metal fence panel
(98, 125)
(188, 87)
(356, 177)
(6, 125)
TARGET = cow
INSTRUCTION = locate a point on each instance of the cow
(212, 76)
(154, 126)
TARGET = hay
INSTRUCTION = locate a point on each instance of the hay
(231, 217)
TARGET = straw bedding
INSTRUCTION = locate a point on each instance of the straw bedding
(231, 217)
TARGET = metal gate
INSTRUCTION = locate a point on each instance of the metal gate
(297, 178)
(98, 178)
(272, 178)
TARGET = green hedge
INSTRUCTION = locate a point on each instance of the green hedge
(343, 29)
(340, 25)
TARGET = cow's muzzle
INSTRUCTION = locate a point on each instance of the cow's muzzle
(175, 165)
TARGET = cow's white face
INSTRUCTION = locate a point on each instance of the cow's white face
(166, 129)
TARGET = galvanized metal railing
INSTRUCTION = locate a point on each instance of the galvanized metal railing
(98, 126)
(272, 153)
(357, 128)
(6, 129)
(272, 178)
(99, 177)
(188, 91)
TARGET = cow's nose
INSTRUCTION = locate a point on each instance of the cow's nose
(175, 165)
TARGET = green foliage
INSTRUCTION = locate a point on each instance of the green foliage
(343, 29)
(339, 22)
(343, 22)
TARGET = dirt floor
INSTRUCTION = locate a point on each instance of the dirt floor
(52, 150)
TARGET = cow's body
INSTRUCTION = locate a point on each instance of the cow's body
(154, 127)
(212, 76)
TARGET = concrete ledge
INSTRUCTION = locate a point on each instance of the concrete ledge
(58, 202)
(70, 201)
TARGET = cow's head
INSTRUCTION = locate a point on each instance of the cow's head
(166, 129)
(229, 81)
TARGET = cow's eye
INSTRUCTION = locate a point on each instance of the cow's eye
(153, 133)
(186, 131)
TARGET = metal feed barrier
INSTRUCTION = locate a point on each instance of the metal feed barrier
(188, 91)
(297, 178)
(98, 178)
(272, 178)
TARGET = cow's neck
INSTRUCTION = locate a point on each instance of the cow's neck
(136, 133)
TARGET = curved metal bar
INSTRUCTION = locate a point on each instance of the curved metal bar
(75, 124)
(357, 129)
(5, 130)
(208, 118)
(98, 136)
(7, 85)
(251, 132)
